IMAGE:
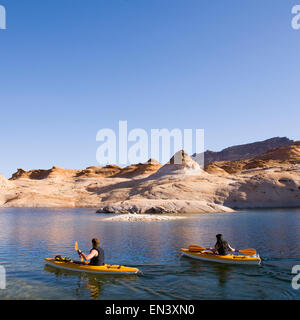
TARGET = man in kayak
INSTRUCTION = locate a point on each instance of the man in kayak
(222, 246)
(96, 255)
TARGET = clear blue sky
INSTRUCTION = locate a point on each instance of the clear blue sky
(69, 68)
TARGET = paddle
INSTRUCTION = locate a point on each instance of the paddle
(77, 249)
(195, 248)
(248, 252)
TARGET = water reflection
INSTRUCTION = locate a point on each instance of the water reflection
(89, 282)
(221, 271)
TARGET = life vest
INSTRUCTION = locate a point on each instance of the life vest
(223, 248)
(99, 260)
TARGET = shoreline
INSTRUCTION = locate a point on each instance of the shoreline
(234, 209)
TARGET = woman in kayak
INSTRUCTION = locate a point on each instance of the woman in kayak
(222, 246)
(96, 255)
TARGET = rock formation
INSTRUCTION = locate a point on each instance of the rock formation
(110, 171)
(143, 206)
(180, 163)
(271, 179)
(54, 172)
(212, 168)
(286, 156)
(99, 172)
(245, 151)
(4, 183)
(6, 187)
(138, 170)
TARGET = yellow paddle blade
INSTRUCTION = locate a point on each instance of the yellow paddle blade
(248, 252)
(195, 248)
(76, 248)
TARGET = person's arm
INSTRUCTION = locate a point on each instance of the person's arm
(215, 249)
(89, 256)
(229, 248)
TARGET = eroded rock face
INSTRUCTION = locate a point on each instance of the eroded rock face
(6, 189)
(286, 156)
(141, 169)
(109, 171)
(4, 183)
(180, 164)
(271, 188)
(245, 151)
(99, 172)
(39, 174)
(212, 168)
(289, 154)
(163, 206)
(269, 180)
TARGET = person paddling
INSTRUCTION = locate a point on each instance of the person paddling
(96, 255)
(222, 246)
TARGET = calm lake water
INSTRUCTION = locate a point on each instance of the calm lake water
(27, 236)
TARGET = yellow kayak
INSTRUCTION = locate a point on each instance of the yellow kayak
(207, 255)
(85, 267)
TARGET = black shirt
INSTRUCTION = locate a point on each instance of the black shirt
(99, 260)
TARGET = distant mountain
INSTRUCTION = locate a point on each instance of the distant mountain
(284, 156)
(245, 151)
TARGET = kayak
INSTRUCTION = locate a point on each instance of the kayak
(85, 267)
(207, 255)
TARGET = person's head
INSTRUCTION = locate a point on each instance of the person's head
(95, 242)
(219, 238)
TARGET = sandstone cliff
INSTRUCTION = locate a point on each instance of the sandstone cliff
(6, 187)
(180, 163)
(109, 171)
(4, 183)
(245, 151)
(54, 172)
(286, 156)
(271, 179)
